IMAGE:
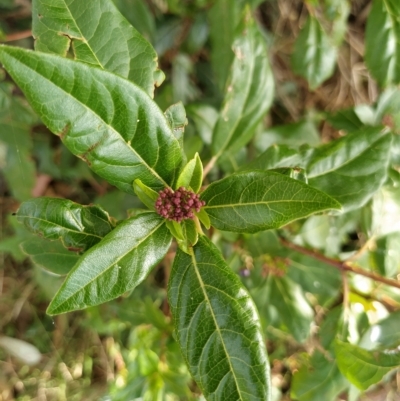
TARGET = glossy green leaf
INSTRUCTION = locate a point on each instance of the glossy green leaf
(294, 311)
(250, 90)
(145, 194)
(351, 168)
(78, 227)
(382, 41)
(120, 262)
(364, 368)
(314, 56)
(50, 255)
(217, 327)
(258, 200)
(122, 138)
(191, 175)
(317, 379)
(204, 118)
(98, 35)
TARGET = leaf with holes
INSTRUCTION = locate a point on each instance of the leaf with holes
(99, 35)
(257, 200)
(122, 138)
(217, 327)
(120, 262)
(78, 227)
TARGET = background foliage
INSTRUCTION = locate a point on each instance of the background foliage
(334, 119)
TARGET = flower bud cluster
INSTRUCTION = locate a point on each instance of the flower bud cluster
(178, 205)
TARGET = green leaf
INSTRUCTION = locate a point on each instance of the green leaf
(176, 116)
(364, 368)
(276, 157)
(99, 35)
(204, 118)
(50, 255)
(217, 327)
(293, 309)
(382, 41)
(78, 227)
(314, 56)
(203, 217)
(16, 145)
(383, 335)
(224, 17)
(319, 377)
(192, 175)
(258, 200)
(145, 194)
(250, 90)
(120, 262)
(123, 137)
(351, 168)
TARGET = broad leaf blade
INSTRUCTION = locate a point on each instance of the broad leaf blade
(99, 35)
(250, 90)
(51, 256)
(123, 137)
(78, 227)
(382, 41)
(314, 56)
(120, 262)
(217, 327)
(364, 368)
(352, 168)
(320, 378)
(257, 200)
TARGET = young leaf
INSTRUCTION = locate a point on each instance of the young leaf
(352, 168)
(364, 368)
(120, 262)
(78, 227)
(99, 35)
(314, 56)
(192, 175)
(145, 194)
(122, 137)
(321, 377)
(50, 255)
(382, 41)
(217, 326)
(250, 90)
(203, 217)
(257, 200)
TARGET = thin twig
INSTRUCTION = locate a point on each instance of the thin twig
(18, 36)
(209, 166)
(342, 266)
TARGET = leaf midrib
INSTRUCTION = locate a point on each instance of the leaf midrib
(58, 225)
(111, 128)
(109, 267)
(260, 203)
(215, 320)
(84, 40)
